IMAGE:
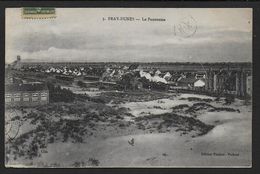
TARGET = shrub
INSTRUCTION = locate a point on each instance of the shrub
(229, 99)
(56, 94)
(94, 162)
(223, 109)
(51, 139)
(122, 125)
(81, 84)
(182, 106)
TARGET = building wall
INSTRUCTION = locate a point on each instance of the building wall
(249, 85)
(27, 98)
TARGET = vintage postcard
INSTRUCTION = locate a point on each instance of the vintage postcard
(128, 87)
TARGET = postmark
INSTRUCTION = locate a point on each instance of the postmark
(186, 27)
(12, 124)
(38, 13)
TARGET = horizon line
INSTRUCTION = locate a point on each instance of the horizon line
(131, 62)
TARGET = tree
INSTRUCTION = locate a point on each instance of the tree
(57, 94)
(146, 83)
(229, 99)
(81, 84)
(126, 80)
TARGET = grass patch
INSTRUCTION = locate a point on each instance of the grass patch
(172, 120)
(197, 99)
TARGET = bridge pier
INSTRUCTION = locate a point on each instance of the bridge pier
(238, 83)
(215, 78)
(209, 80)
(241, 83)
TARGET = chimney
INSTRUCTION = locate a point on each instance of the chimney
(18, 58)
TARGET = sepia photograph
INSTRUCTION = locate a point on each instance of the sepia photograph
(128, 87)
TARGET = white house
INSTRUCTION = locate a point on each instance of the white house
(155, 78)
(199, 83)
(158, 72)
(167, 76)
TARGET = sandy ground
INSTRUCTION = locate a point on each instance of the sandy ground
(227, 144)
(155, 150)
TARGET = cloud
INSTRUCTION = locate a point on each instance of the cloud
(33, 42)
(71, 37)
(202, 52)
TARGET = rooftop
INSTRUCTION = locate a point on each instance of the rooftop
(25, 87)
(187, 80)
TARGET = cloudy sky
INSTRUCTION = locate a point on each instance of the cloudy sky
(218, 35)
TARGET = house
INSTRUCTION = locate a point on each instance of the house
(31, 94)
(186, 82)
(155, 78)
(157, 72)
(167, 76)
(200, 76)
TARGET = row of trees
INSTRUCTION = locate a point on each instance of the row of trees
(57, 94)
(132, 81)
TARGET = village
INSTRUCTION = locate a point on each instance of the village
(218, 79)
(85, 114)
